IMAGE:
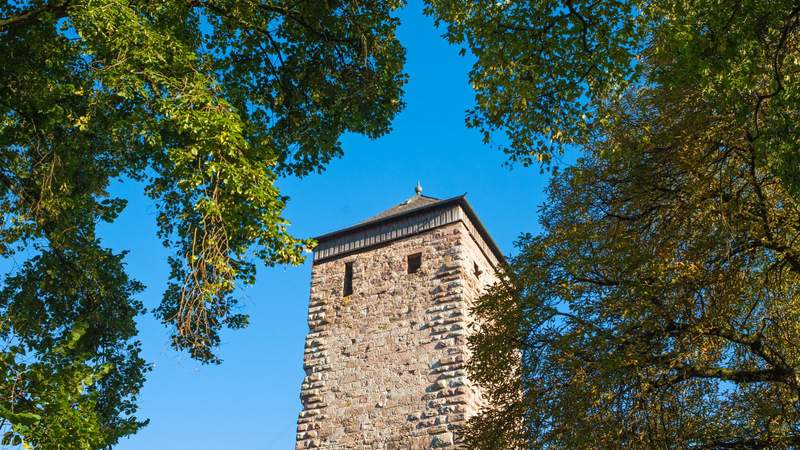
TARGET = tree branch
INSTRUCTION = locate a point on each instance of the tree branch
(59, 10)
(773, 375)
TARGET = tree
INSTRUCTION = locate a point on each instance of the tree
(208, 102)
(545, 69)
(659, 307)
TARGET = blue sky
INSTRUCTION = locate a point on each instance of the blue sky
(251, 401)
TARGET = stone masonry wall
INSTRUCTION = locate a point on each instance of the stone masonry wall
(385, 366)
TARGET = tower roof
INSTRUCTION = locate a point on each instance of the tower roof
(415, 214)
(408, 205)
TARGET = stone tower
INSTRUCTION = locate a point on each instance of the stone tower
(388, 318)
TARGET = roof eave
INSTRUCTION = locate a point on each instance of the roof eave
(378, 221)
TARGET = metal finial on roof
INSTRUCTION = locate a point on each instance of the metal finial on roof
(418, 189)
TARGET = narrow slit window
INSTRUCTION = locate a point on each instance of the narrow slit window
(348, 279)
(414, 262)
(476, 270)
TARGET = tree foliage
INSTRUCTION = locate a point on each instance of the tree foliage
(546, 70)
(208, 103)
(658, 310)
(70, 370)
(659, 306)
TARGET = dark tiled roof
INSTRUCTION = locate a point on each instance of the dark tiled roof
(412, 203)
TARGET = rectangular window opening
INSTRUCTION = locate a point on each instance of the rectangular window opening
(414, 262)
(348, 279)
